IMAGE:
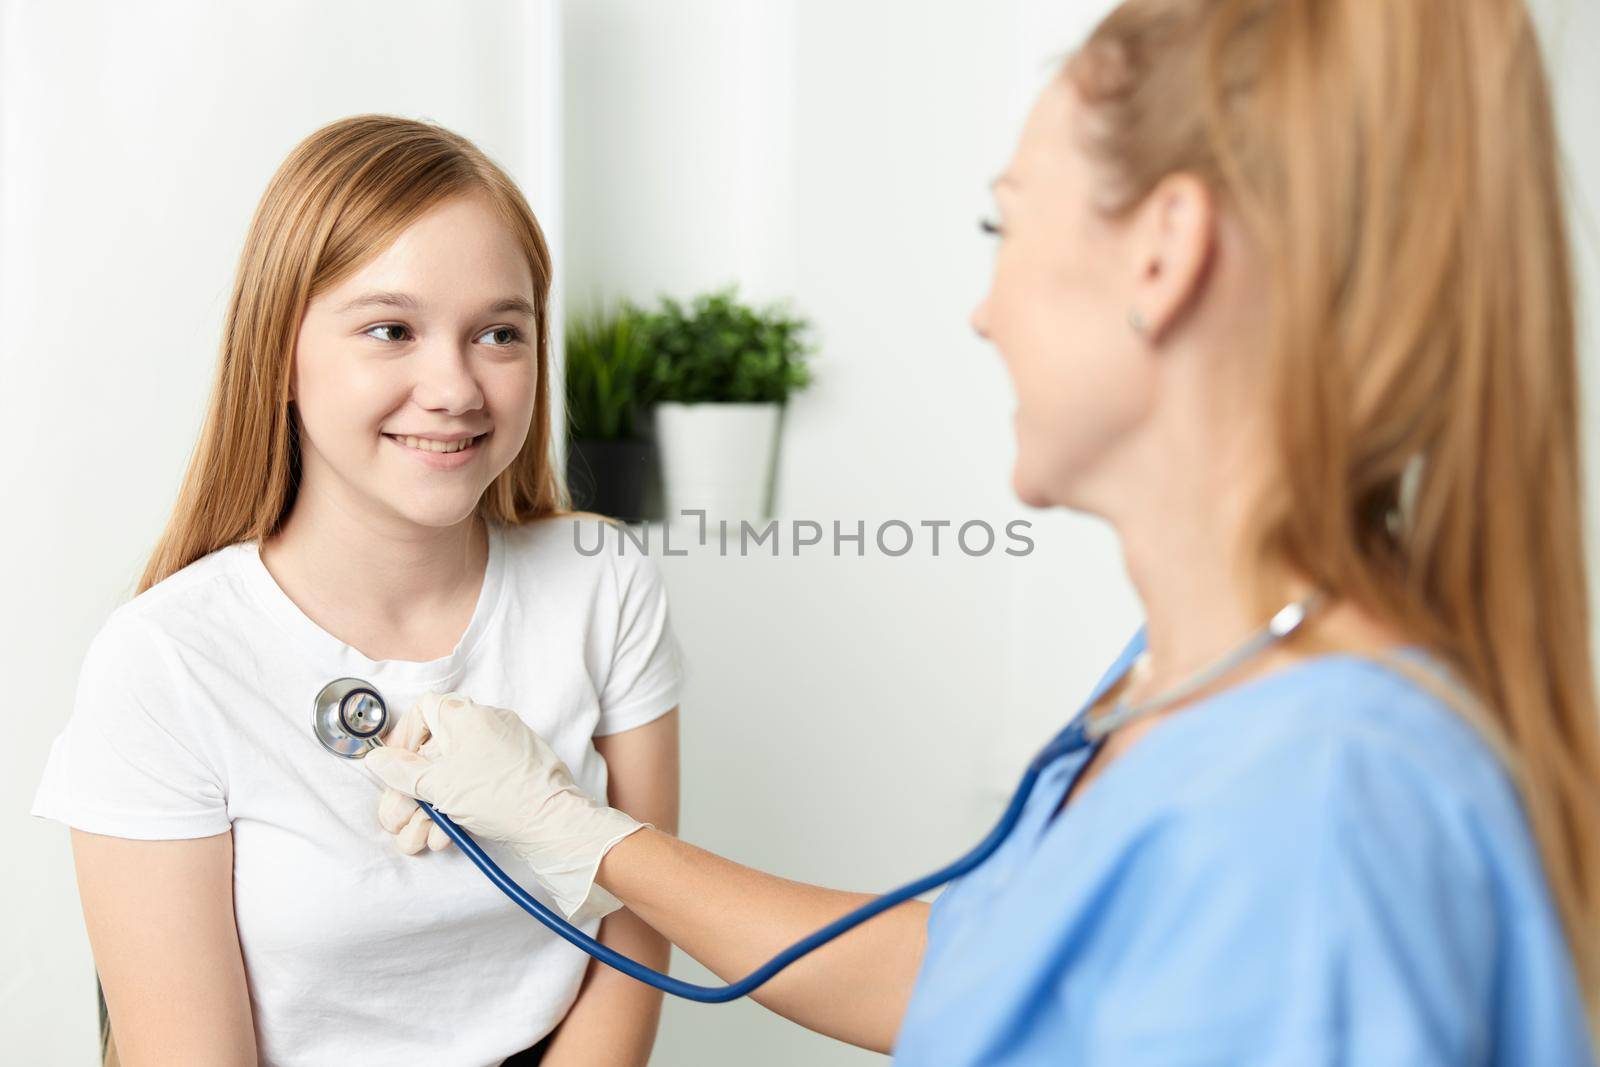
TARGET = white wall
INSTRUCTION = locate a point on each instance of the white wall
(135, 141)
(848, 721)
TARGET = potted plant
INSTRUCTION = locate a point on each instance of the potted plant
(610, 458)
(721, 374)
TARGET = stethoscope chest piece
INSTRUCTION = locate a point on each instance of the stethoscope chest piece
(349, 717)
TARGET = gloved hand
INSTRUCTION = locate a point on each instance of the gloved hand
(397, 812)
(496, 778)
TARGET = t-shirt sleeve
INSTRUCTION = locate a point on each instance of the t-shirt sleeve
(124, 765)
(646, 675)
(1339, 921)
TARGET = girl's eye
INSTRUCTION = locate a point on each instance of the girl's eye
(516, 335)
(989, 227)
(384, 326)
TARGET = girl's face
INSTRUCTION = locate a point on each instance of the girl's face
(429, 346)
(1057, 310)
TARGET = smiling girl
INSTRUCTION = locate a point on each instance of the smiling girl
(372, 495)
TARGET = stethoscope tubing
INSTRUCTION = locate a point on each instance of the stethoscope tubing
(1068, 740)
(1080, 733)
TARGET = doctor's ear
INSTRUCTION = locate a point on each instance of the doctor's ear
(1173, 235)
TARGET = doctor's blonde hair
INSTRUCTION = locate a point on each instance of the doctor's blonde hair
(1395, 164)
(340, 198)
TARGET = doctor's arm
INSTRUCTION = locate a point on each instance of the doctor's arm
(498, 778)
(614, 1019)
(160, 922)
(734, 918)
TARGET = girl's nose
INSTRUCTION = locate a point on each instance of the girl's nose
(445, 381)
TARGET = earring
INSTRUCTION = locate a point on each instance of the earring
(1136, 320)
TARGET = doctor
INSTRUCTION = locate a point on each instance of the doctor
(1284, 294)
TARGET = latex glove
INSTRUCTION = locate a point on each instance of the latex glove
(498, 779)
(398, 813)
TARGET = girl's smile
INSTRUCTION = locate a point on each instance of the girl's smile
(438, 453)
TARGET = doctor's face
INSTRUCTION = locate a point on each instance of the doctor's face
(429, 347)
(1057, 311)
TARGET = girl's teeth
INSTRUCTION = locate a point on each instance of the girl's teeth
(427, 445)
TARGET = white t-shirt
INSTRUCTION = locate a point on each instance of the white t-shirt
(193, 715)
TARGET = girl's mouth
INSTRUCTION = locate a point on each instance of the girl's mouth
(441, 455)
(446, 447)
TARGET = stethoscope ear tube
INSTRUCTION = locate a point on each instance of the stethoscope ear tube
(756, 978)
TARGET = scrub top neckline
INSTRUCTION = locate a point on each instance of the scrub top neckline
(335, 654)
(1064, 783)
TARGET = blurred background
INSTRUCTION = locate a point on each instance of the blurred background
(848, 720)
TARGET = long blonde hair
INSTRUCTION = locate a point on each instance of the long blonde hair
(341, 197)
(1396, 165)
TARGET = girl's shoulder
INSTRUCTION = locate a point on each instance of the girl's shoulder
(204, 595)
(582, 551)
(583, 534)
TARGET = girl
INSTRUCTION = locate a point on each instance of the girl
(373, 496)
(1284, 292)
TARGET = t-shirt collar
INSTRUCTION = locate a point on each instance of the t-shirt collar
(335, 655)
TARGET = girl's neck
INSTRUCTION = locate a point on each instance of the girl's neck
(388, 582)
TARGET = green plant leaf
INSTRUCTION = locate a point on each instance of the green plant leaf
(719, 350)
(607, 373)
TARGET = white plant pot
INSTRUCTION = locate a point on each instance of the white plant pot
(719, 457)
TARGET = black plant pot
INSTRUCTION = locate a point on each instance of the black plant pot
(611, 477)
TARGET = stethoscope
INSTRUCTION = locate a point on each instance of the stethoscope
(350, 718)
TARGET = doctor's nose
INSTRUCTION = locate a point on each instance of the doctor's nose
(980, 319)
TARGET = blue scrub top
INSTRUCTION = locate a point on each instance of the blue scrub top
(1323, 865)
